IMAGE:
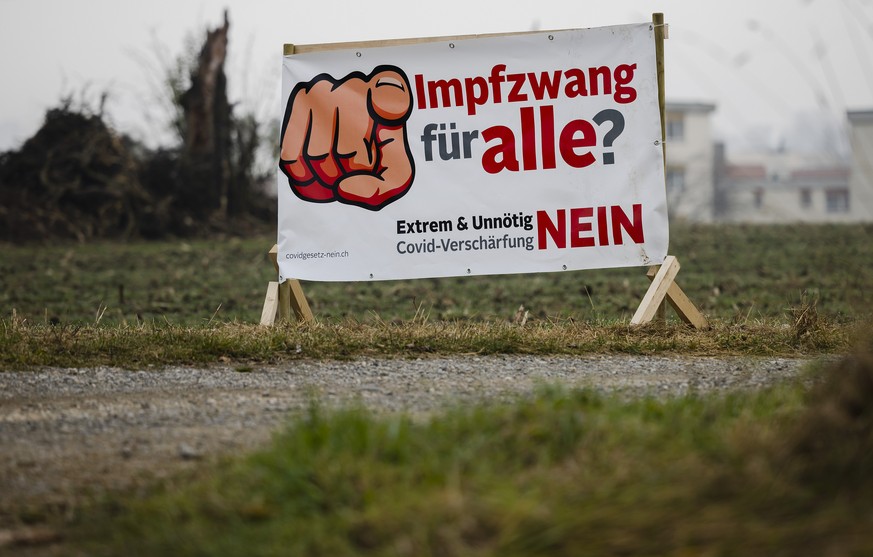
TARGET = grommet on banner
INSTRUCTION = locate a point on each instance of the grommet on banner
(358, 54)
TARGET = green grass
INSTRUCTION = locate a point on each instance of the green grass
(783, 471)
(137, 346)
(733, 273)
(184, 283)
(777, 290)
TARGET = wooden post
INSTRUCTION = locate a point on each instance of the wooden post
(664, 288)
(660, 35)
(285, 298)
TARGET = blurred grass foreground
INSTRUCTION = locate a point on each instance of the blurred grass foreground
(781, 471)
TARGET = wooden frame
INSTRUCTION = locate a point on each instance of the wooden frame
(283, 299)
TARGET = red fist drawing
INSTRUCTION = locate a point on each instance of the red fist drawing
(345, 140)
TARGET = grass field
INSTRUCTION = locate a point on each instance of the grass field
(779, 290)
(733, 273)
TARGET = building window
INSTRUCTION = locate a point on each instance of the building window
(837, 200)
(675, 181)
(805, 198)
(759, 198)
(675, 127)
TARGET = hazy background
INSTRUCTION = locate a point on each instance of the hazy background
(781, 72)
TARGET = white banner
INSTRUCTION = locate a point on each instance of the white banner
(522, 153)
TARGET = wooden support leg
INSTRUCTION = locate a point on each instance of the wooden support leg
(685, 309)
(664, 287)
(271, 304)
(298, 301)
(284, 298)
(656, 292)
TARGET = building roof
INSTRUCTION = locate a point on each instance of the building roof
(746, 171)
(834, 173)
(859, 116)
(689, 107)
(748, 175)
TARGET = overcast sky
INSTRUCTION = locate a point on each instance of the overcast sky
(773, 68)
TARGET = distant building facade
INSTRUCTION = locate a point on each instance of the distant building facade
(690, 161)
(705, 184)
(861, 181)
(784, 188)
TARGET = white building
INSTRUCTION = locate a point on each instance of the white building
(785, 188)
(861, 181)
(690, 161)
(704, 184)
(789, 187)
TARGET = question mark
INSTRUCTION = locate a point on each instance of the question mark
(617, 120)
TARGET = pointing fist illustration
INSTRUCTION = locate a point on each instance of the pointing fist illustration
(345, 140)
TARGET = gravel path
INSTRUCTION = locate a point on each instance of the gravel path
(68, 432)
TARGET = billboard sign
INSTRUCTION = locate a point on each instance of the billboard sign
(534, 152)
